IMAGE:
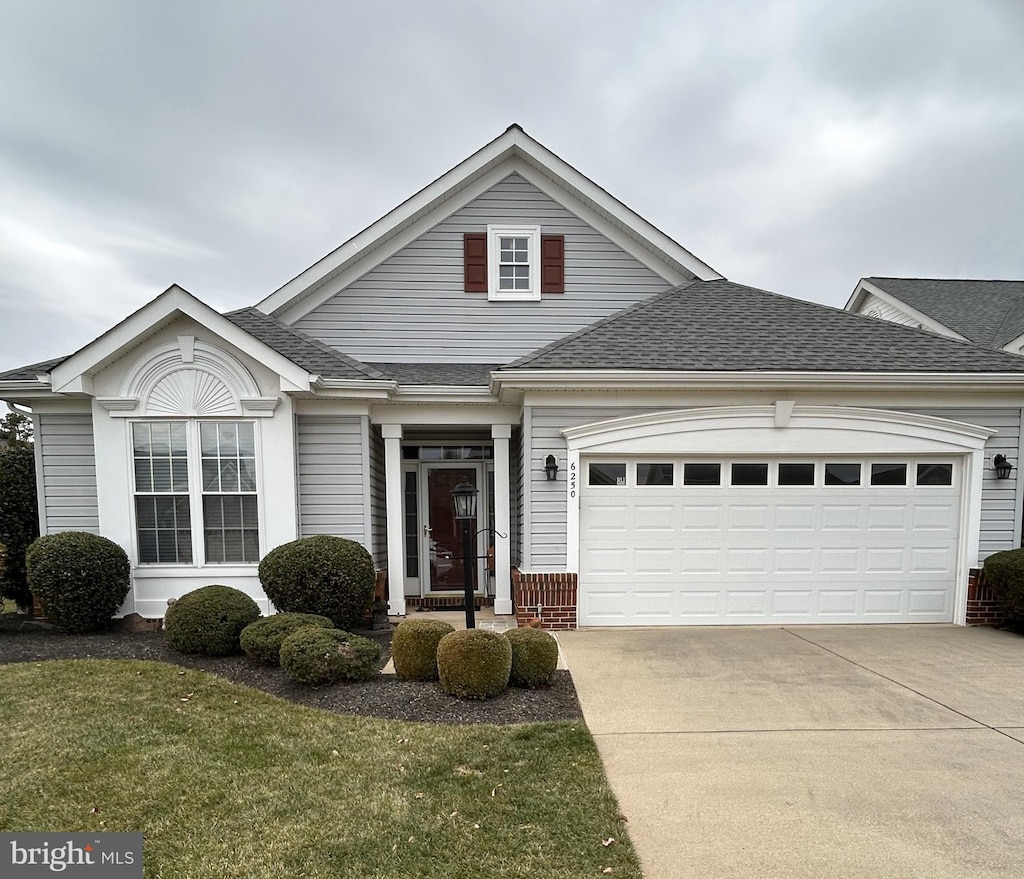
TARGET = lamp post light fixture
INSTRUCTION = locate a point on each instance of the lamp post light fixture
(551, 468)
(464, 496)
(1001, 466)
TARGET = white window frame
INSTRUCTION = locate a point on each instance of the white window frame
(196, 492)
(494, 234)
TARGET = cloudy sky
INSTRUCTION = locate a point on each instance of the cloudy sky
(794, 145)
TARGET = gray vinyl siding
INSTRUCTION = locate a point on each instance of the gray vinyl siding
(547, 515)
(378, 502)
(1000, 524)
(412, 306)
(68, 455)
(331, 478)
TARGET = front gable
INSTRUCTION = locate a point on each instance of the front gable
(429, 302)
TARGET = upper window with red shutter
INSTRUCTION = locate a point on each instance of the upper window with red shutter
(514, 263)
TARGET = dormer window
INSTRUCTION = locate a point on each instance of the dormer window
(513, 254)
(514, 263)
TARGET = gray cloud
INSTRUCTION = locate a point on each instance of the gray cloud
(226, 146)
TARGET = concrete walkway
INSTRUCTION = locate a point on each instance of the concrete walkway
(860, 751)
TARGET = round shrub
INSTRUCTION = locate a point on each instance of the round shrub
(328, 576)
(209, 620)
(1004, 572)
(474, 664)
(414, 648)
(534, 657)
(81, 579)
(262, 639)
(313, 656)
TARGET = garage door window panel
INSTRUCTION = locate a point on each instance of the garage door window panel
(842, 474)
(796, 473)
(749, 474)
(889, 474)
(934, 474)
(655, 474)
(607, 474)
(702, 474)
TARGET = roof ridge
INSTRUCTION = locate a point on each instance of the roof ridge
(954, 280)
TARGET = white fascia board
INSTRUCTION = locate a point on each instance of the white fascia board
(363, 389)
(866, 288)
(467, 180)
(646, 380)
(445, 394)
(447, 415)
(73, 374)
(24, 390)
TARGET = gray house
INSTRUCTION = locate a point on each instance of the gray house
(651, 443)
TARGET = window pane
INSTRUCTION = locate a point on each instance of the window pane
(141, 440)
(607, 474)
(248, 511)
(143, 475)
(702, 474)
(145, 512)
(227, 435)
(214, 545)
(232, 511)
(179, 447)
(229, 475)
(796, 474)
(161, 474)
(888, 474)
(246, 440)
(208, 440)
(179, 474)
(749, 474)
(654, 474)
(842, 474)
(147, 546)
(251, 545)
(247, 474)
(160, 445)
(934, 474)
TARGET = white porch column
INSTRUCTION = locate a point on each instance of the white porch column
(501, 433)
(392, 434)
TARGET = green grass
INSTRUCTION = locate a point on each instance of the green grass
(226, 781)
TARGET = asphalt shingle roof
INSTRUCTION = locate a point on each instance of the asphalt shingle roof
(302, 350)
(29, 373)
(458, 374)
(990, 313)
(720, 325)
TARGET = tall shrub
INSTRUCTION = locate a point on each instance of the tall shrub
(19, 516)
(81, 579)
(1004, 572)
(329, 576)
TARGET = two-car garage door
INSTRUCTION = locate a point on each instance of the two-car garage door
(676, 541)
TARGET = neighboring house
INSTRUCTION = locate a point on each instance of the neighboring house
(989, 313)
(652, 444)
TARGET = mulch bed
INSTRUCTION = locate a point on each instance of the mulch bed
(23, 640)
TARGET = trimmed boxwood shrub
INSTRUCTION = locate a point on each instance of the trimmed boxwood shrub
(262, 639)
(209, 620)
(1004, 572)
(329, 576)
(314, 656)
(414, 648)
(474, 664)
(534, 657)
(81, 579)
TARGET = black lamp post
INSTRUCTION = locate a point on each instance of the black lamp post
(464, 497)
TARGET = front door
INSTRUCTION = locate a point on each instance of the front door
(442, 564)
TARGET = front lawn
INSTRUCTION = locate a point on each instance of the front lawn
(226, 781)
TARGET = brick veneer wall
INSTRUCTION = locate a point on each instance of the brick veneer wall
(555, 594)
(982, 607)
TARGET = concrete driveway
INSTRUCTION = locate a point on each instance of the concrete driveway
(838, 751)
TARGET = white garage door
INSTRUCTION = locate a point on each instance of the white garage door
(842, 540)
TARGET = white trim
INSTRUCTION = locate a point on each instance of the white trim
(527, 488)
(495, 293)
(392, 434)
(367, 469)
(501, 503)
(865, 288)
(37, 455)
(445, 195)
(503, 381)
(74, 374)
(811, 430)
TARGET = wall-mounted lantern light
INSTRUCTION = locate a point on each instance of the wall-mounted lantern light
(1001, 466)
(551, 468)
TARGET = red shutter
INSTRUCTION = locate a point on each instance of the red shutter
(552, 263)
(475, 262)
